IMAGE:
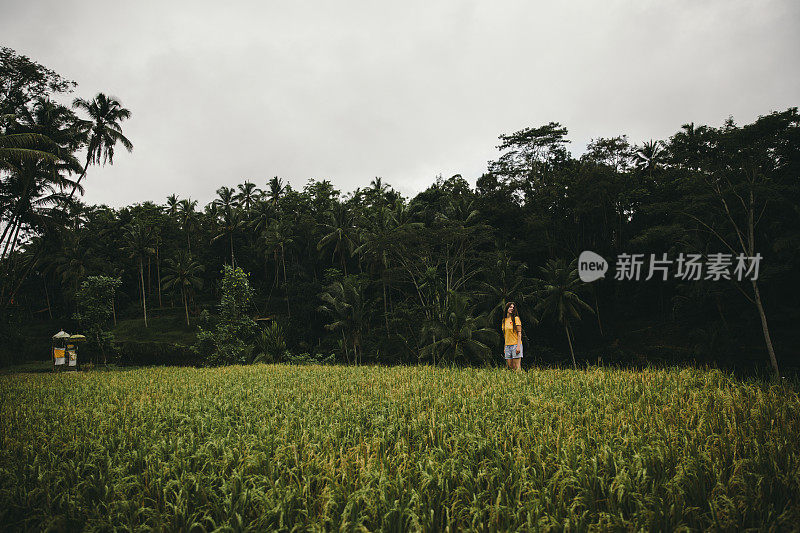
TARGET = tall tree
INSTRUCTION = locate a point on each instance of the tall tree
(139, 244)
(72, 262)
(188, 219)
(95, 302)
(458, 336)
(559, 295)
(226, 198)
(276, 238)
(346, 304)
(37, 173)
(103, 130)
(275, 189)
(182, 273)
(230, 222)
(739, 176)
(247, 195)
(505, 281)
(339, 233)
(173, 205)
(376, 237)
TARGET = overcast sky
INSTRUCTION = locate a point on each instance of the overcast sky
(350, 90)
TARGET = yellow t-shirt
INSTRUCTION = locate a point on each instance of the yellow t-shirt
(510, 332)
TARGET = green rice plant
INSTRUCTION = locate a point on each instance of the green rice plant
(321, 448)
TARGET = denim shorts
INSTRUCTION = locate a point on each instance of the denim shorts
(510, 351)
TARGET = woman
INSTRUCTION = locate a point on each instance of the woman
(512, 331)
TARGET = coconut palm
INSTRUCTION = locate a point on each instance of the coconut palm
(102, 130)
(35, 153)
(458, 336)
(276, 238)
(182, 273)
(344, 301)
(188, 219)
(650, 156)
(459, 210)
(507, 283)
(42, 241)
(230, 222)
(72, 260)
(32, 147)
(247, 195)
(459, 215)
(377, 193)
(172, 205)
(46, 133)
(339, 233)
(275, 189)
(139, 242)
(225, 198)
(375, 239)
(559, 296)
(263, 213)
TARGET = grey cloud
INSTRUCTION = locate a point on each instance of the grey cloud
(351, 90)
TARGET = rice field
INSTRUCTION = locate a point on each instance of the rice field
(307, 448)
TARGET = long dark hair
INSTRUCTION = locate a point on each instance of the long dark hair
(514, 315)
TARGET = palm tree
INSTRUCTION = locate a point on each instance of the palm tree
(263, 213)
(183, 272)
(230, 223)
(376, 237)
(650, 156)
(172, 205)
(71, 261)
(276, 238)
(339, 231)
(276, 189)
(377, 192)
(508, 283)
(46, 224)
(459, 215)
(458, 335)
(270, 344)
(116, 272)
(559, 296)
(39, 137)
(15, 147)
(139, 244)
(188, 219)
(225, 198)
(29, 210)
(230, 217)
(348, 308)
(36, 156)
(405, 216)
(459, 210)
(210, 222)
(36, 148)
(103, 130)
(247, 195)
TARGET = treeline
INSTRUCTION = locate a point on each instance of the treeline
(371, 276)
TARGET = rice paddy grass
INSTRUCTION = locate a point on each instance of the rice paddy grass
(332, 448)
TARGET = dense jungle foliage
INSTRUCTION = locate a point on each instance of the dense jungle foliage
(370, 276)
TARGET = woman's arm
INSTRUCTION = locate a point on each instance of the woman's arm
(519, 338)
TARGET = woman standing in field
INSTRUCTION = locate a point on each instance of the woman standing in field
(512, 332)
